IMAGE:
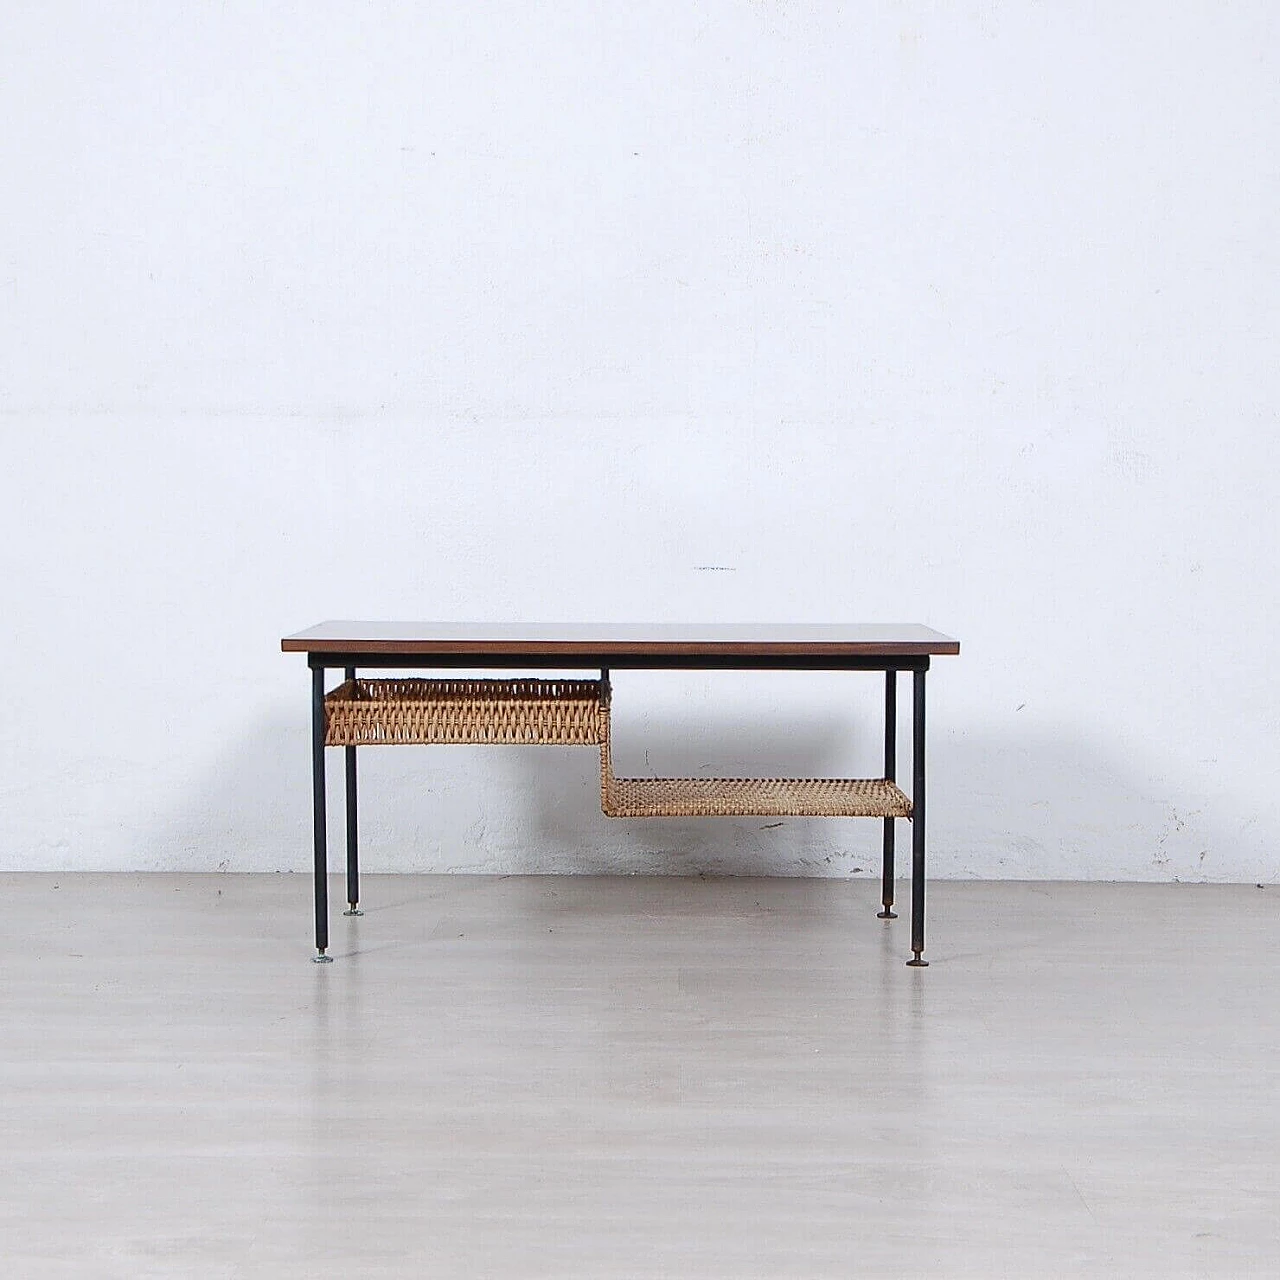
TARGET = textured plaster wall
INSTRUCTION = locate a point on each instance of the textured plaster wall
(960, 314)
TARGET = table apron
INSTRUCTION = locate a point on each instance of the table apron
(625, 661)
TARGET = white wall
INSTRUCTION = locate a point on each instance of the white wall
(962, 314)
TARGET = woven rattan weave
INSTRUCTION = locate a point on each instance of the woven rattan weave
(396, 712)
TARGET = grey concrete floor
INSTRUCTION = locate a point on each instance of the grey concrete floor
(597, 1077)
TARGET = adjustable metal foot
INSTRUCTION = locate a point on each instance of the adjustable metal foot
(887, 914)
(916, 963)
(321, 958)
(352, 910)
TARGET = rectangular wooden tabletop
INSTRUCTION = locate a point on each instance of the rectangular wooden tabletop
(488, 639)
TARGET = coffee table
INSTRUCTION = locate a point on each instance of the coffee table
(528, 710)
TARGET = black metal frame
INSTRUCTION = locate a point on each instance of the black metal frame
(890, 665)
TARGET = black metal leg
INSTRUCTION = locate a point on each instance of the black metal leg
(890, 773)
(917, 823)
(321, 866)
(353, 849)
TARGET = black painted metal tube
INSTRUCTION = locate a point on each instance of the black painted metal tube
(353, 848)
(891, 773)
(917, 819)
(318, 815)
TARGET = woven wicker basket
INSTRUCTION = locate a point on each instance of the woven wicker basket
(396, 712)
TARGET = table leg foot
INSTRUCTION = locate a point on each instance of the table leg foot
(321, 958)
(917, 963)
(352, 910)
(887, 914)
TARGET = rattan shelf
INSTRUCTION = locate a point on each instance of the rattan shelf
(741, 797)
(752, 797)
